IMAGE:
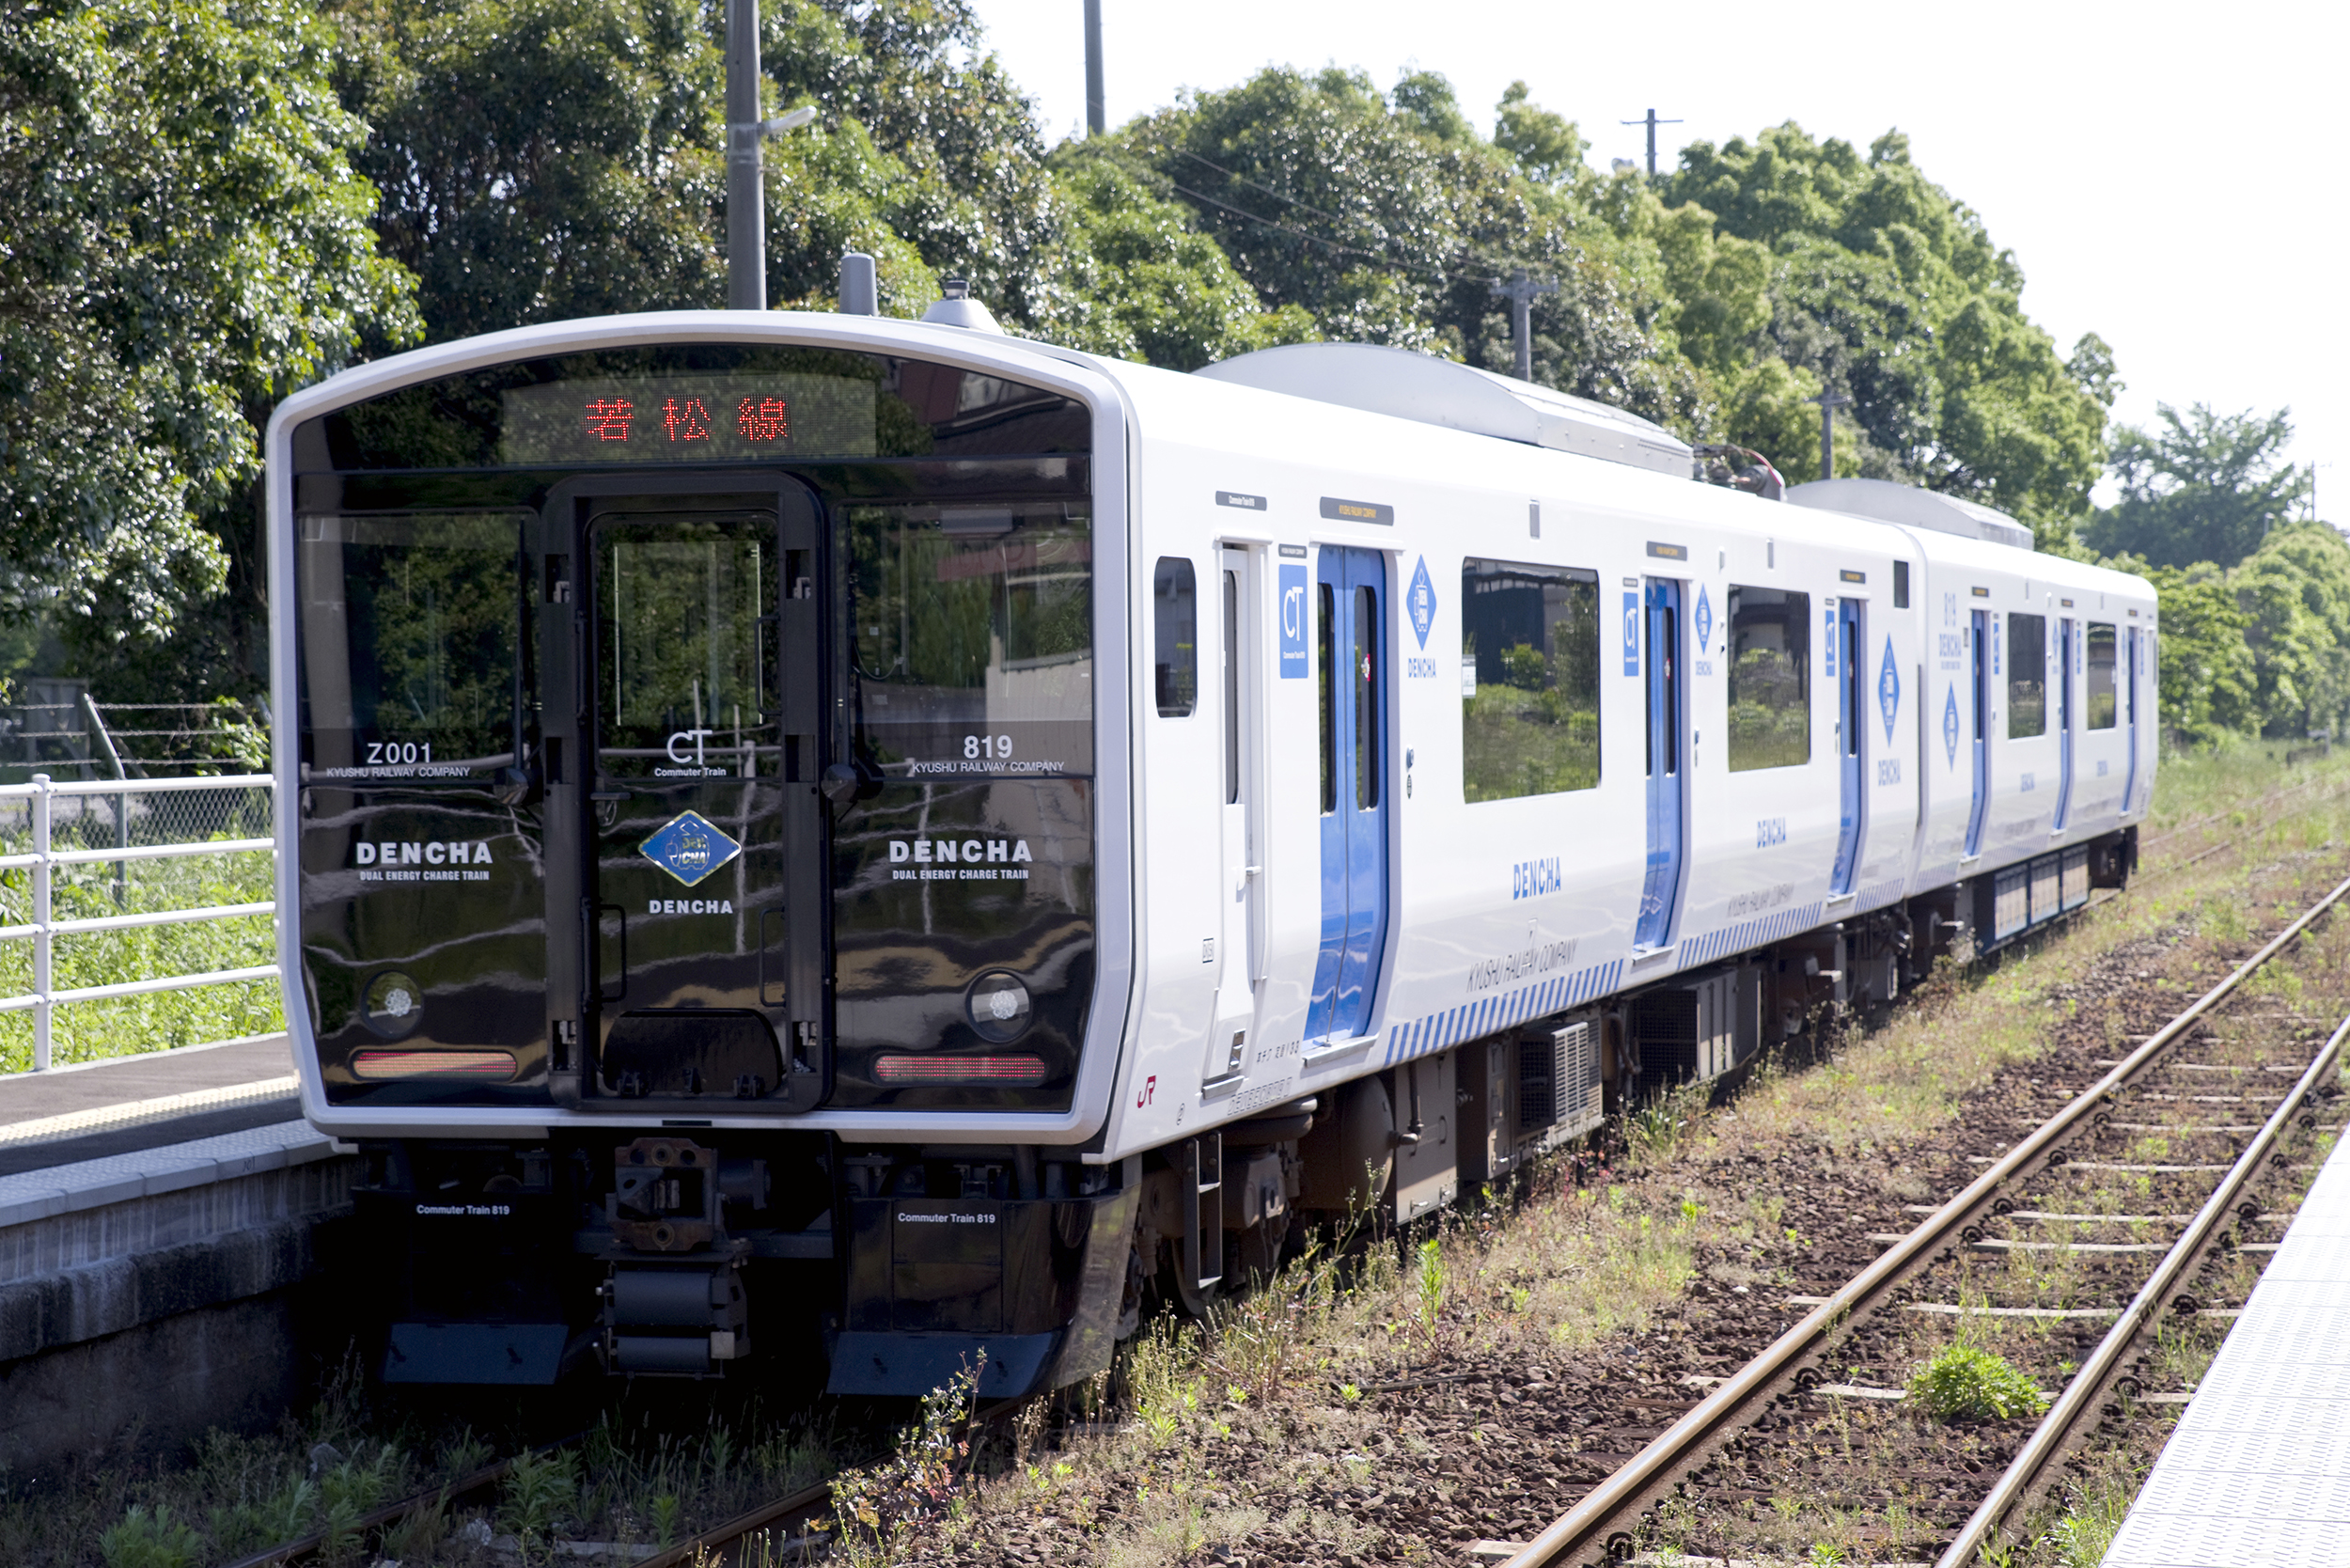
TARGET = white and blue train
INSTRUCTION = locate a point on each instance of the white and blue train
(847, 843)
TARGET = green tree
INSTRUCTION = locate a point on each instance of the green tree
(1886, 290)
(186, 243)
(2207, 674)
(2294, 593)
(1386, 218)
(1138, 280)
(2203, 487)
(542, 159)
(548, 159)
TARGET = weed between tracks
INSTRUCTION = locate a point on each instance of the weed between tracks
(1474, 1378)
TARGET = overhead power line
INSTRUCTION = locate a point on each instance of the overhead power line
(1477, 259)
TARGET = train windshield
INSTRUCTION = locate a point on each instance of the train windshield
(697, 723)
(974, 638)
(411, 647)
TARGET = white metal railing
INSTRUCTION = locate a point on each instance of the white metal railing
(42, 860)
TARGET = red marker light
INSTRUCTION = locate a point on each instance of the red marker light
(397, 1066)
(1021, 1071)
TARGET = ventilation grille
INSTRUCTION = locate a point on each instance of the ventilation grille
(1558, 1077)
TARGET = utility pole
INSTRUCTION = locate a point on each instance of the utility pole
(746, 181)
(1651, 122)
(1097, 113)
(1521, 291)
(1829, 402)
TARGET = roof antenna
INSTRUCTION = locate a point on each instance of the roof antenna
(860, 285)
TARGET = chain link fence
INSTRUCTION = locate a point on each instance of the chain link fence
(134, 916)
(62, 730)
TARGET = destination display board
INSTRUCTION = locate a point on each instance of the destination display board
(688, 418)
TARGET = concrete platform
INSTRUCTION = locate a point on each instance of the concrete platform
(2258, 1470)
(96, 1110)
(146, 1296)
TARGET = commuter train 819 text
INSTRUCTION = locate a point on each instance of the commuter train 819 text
(846, 843)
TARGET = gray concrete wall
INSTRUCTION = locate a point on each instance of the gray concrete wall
(147, 1297)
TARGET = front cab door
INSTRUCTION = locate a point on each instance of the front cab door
(693, 660)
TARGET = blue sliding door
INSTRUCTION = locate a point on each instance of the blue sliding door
(1979, 635)
(1848, 638)
(1660, 889)
(1351, 662)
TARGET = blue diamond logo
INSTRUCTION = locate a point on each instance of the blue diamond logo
(1420, 603)
(1950, 726)
(1705, 620)
(689, 847)
(1889, 689)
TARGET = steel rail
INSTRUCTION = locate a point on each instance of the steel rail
(710, 1546)
(1580, 1527)
(2086, 1384)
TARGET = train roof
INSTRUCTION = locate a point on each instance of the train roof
(1912, 507)
(1380, 380)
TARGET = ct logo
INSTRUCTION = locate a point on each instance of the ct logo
(695, 736)
(1294, 612)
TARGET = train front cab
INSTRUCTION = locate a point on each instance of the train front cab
(705, 912)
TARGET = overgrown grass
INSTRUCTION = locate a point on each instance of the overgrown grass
(631, 1479)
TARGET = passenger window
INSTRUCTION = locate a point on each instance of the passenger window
(1175, 607)
(1529, 680)
(1770, 678)
(2101, 668)
(2027, 676)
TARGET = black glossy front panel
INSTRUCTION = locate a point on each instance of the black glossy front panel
(936, 884)
(472, 935)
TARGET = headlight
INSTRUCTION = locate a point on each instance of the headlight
(393, 1005)
(999, 1006)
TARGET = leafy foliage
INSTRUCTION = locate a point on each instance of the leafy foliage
(881, 1507)
(1878, 286)
(187, 242)
(2206, 676)
(2203, 487)
(151, 1540)
(1138, 280)
(1963, 1380)
(1386, 218)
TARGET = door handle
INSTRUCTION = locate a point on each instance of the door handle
(595, 936)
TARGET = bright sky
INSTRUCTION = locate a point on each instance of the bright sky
(2167, 176)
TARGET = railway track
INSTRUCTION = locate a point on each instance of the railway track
(1607, 1523)
(761, 1534)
